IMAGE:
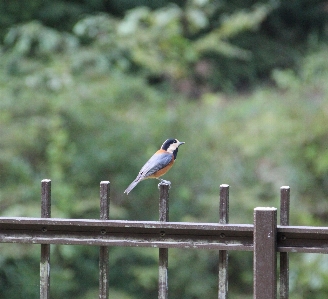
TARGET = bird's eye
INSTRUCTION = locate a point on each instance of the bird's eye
(174, 141)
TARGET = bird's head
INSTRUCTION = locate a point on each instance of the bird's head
(171, 146)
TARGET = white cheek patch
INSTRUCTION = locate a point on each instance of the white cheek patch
(173, 147)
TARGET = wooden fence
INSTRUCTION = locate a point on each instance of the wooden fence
(265, 238)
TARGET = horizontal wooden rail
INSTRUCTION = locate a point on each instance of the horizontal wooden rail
(306, 239)
(156, 234)
(125, 233)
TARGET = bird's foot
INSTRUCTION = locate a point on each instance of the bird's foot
(164, 182)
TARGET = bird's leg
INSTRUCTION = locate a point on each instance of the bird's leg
(164, 182)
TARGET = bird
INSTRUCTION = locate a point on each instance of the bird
(159, 164)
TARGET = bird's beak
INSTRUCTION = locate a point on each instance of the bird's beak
(181, 143)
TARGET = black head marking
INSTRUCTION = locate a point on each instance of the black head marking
(167, 143)
(172, 145)
(175, 153)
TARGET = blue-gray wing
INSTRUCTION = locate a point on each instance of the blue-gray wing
(155, 163)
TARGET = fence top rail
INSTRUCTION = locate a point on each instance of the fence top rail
(313, 230)
(71, 225)
(156, 234)
(126, 233)
(23, 222)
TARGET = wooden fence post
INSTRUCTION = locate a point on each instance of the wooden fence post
(265, 253)
(223, 254)
(45, 248)
(103, 250)
(284, 258)
(163, 252)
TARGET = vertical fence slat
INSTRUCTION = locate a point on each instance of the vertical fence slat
(284, 258)
(103, 250)
(265, 256)
(163, 252)
(45, 248)
(223, 254)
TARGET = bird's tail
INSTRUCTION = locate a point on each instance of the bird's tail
(131, 186)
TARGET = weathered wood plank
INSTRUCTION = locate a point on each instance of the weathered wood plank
(150, 233)
(265, 253)
(284, 258)
(45, 248)
(103, 250)
(111, 232)
(223, 254)
(163, 254)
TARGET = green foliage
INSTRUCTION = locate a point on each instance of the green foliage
(297, 20)
(79, 108)
(33, 39)
(169, 41)
(175, 41)
(59, 14)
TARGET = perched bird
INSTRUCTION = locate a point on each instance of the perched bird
(158, 164)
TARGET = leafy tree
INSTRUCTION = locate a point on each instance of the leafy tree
(87, 106)
(216, 40)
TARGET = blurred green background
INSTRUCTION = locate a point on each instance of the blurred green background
(90, 89)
